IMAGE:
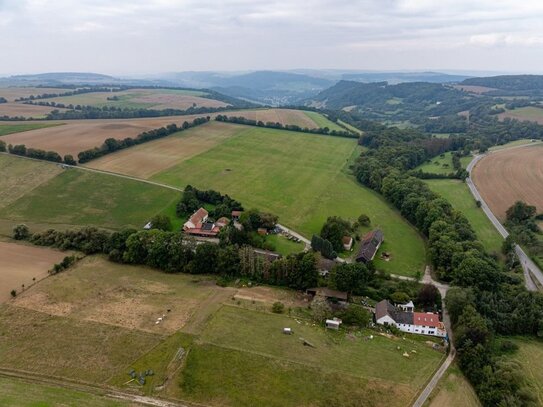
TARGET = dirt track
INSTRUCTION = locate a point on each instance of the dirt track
(507, 176)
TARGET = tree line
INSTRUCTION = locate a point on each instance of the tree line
(78, 91)
(22, 150)
(111, 145)
(290, 127)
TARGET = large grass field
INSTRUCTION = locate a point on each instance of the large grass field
(303, 179)
(240, 346)
(442, 164)
(459, 196)
(323, 121)
(6, 129)
(19, 393)
(77, 197)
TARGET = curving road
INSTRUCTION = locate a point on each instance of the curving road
(530, 269)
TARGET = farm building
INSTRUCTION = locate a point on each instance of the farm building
(199, 225)
(328, 293)
(370, 244)
(347, 242)
(423, 323)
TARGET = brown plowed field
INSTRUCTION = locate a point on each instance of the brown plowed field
(284, 116)
(510, 175)
(21, 263)
(150, 158)
(29, 111)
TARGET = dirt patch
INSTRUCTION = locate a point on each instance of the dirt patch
(21, 264)
(127, 296)
(510, 175)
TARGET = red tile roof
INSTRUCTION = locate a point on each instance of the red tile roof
(426, 319)
(198, 216)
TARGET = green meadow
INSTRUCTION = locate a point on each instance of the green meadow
(6, 129)
(303, 178)
(442, 164)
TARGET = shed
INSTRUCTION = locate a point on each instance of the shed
(333, 323)
(370, 244)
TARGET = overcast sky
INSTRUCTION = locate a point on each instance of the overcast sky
(147, 36)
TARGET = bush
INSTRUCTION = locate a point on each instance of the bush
(14, 293)
(21, 232)
(278, 307)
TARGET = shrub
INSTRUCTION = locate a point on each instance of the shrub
(278, 307)
(21, 232)
(14, 293)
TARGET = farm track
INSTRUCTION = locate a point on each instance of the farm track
(103, 391)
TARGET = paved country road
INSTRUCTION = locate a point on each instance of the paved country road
(528, 266)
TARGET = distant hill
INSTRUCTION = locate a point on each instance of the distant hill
(401, 77)
(520, 85)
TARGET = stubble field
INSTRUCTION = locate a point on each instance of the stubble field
(504, 177)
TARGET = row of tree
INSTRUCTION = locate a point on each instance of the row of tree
(194, 198)
(111, 145)
(78, 91)
(291, 127)
(22, 150)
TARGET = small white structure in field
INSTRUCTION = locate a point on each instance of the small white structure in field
(287, 331)
(148, 226)
(333, 323)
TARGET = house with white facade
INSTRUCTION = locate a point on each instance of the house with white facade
(405, 319)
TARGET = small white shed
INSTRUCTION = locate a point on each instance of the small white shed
(333, 323)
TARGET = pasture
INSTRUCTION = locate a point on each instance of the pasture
(20, 176)
(237, 343)
(459, 196)
(302, 178)
(6, 129)
(504, 177)
(147, 159)
(442, 164)
(143, 99)
(22, 265)
(530, 113)
(67, 347)
(77, 197)
(132, 297)
(20, 393)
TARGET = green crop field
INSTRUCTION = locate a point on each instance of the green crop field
(302, 178)
(20, 393)
(459, 196)
(239, 346)
(76, 197)
(6, 129)
(442, 165)
(323, 121)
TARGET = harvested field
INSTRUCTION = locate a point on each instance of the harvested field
(132, 297)
(530, 113)
(143, 98)
(150, 158)
(65, 347)
(20, 176)
(284, 116)
(28, 111)
(13, 93)
(78, 135)
(22, 263)
(504, 177)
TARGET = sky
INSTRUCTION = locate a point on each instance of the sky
(122, 37)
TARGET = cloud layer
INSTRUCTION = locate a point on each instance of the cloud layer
(143, 36)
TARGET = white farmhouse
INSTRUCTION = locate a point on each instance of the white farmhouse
(403, 318)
